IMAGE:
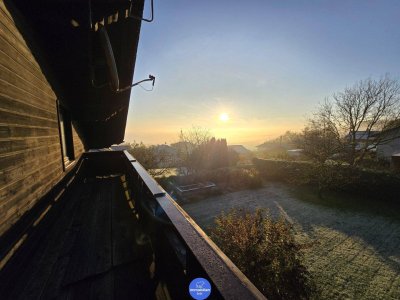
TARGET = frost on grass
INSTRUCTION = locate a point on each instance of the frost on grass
(350, 254)
(344, 266)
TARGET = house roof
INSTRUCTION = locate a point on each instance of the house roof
(239, 149)
(120, 147)
(392, 127)
(365, 134)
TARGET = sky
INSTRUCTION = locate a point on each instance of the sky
(265, 64)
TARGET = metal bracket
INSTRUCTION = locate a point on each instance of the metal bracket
(151, 78)
(141, 18)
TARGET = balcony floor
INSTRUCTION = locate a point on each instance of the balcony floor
(84, 248)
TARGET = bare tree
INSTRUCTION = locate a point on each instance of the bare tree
(369, 106)
(319, 140)
(155, 159)
(190, 141)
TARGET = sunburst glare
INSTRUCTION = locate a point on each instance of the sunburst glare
(224, 117)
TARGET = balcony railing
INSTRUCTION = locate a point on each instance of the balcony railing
(194, 250)
(181, 250)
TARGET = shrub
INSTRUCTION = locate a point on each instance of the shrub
(234, 179)
(266, 252)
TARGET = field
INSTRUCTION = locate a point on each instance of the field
(353, 245)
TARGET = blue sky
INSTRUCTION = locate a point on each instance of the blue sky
(267, 64)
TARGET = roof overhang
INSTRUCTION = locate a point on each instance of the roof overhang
(63, 36)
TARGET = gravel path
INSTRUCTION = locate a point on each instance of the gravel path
(352, 255)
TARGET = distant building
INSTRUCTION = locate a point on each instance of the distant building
(363, 137)
(240, 149)
(272, 145)
(391, 144)
(120, 147)
(183, 146)
(295, 152)
(280, 144)
(165, 149)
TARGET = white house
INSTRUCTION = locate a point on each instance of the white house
(361, 138)
(391, 146)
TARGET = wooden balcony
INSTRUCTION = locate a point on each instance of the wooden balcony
(109, 231)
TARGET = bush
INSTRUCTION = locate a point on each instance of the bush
(266, 252)
(233, 179)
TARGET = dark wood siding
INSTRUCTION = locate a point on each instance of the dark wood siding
(78, 146)
(30, 153)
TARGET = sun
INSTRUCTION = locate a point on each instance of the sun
(224, 117)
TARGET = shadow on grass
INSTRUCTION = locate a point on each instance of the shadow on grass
(348, 203)
(374, 224)
(375, 221)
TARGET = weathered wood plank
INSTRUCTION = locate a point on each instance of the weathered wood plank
(23, 80)
(100, 287)
(8, 21)
(12, 61)
(20, 106)
(27, 188)
(69, 254)
(20, 171)
(5, 10)
(30, 150)
(15, 131)
(78, 146)
(91, 254)
(16, 58)
(8, 31)
(9, 89)
(11, 117)
(54, 286)
(12, 39)
(41, 251)
(125, 248)
(32, 109)
(18, 144)
(28, 183)
(27, 200)
(13, 159)
(131, 261)
(47, 256)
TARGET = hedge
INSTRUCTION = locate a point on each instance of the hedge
(365, 182)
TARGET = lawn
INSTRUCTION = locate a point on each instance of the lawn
(353, 244)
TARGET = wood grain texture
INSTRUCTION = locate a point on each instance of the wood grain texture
(30, 150)
(84, 248)
(78, 146)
